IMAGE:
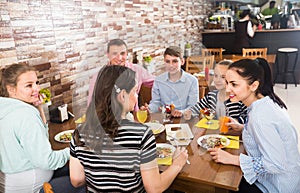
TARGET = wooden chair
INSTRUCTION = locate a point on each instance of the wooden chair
(255, 52)
(217, 52)
(203, 87)
(145, 95)
(196, 64)
(47, 187)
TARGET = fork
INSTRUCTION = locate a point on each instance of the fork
(176, 144)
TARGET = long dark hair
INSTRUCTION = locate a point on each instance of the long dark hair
(258, 70)
(103, 115)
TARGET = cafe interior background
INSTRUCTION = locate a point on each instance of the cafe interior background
(66, 40)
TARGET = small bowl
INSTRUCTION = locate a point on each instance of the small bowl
(165, 160)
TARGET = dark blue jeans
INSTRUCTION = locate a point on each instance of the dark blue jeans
(245, 187)
(61, 183)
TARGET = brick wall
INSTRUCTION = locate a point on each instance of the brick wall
(66, 39)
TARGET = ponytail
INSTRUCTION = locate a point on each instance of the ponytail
(267, 83)
(258, 70)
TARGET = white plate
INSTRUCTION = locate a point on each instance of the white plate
(212, 136)
(179, 134)
(156, 127)
(165, 145)
(57, 136)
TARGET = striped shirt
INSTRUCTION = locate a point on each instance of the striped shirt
(236, 110)
(117, 167)
(271, 142)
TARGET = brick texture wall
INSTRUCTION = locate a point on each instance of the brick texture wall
(66, 39)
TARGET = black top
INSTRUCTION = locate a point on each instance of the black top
(242, 39)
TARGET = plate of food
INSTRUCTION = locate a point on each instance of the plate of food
(64, 136)
(164, 153)
(156, 127)
(213, 140)
(179, 134)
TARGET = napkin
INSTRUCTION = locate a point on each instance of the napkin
(164, 161)
(81, 119)
(203, 124)
(234, 141)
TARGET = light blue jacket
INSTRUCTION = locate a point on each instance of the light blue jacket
(24, 140)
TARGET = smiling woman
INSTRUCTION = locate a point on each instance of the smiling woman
(267, 135)
(25, 150)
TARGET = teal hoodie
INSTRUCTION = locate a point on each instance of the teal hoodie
(24, 139)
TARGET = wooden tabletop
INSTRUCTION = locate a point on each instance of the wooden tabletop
(203, 175)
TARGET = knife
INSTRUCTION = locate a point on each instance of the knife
(232, 138)
(179, 139)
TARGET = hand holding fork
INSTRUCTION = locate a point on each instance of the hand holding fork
(171, 138)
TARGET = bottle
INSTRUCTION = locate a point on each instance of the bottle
(206, 72)
(259, 27)
(134, 58)
(188, 50)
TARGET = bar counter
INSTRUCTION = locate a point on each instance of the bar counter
(271, 39)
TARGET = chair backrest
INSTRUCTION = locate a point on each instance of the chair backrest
(145, 94)
(203, 86)
(255, 52)
(217, 52)
(210, 61)
(196, 64)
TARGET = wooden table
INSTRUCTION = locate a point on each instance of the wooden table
(234, 57)
(55, 128)
(203, 175)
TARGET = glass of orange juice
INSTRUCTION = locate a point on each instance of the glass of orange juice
(141, 115)
(223, 127)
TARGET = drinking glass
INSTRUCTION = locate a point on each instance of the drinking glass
(166, 112)
(209, 114)
(223, 127)
(141, 115)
